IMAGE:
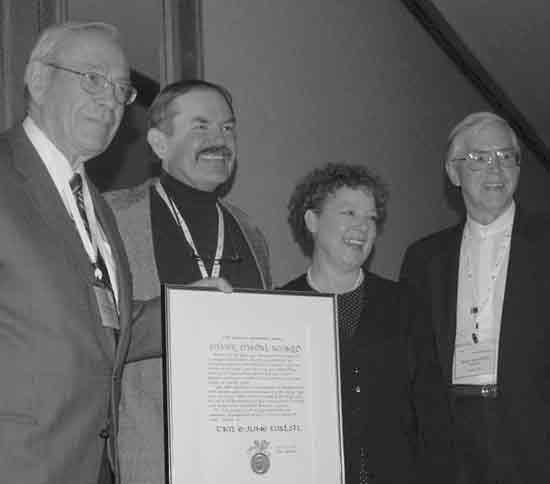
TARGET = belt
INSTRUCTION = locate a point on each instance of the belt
(480, 391)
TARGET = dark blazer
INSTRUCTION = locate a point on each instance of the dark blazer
(400, 415)
(431, 265)
(59, 370)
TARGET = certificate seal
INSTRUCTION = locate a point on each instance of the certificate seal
(260, 461)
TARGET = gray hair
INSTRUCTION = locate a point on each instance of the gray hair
(474, 123)
(52, 39)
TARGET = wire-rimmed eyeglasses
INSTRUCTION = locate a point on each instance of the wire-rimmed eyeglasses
(479, 160)
(95, 83)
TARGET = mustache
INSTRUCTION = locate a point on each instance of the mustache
(220, 150)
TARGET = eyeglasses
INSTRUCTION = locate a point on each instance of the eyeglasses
(479, 160)
(96, 83)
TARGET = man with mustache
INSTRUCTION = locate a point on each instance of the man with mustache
(177, 229)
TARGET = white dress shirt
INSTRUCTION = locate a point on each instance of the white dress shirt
(484, 255)
(61, 173)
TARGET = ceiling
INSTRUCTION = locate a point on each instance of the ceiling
(510, 40)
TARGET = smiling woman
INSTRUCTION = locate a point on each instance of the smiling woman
(334, 213)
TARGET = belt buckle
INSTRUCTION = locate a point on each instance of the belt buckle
(480, 391)
(488, 391)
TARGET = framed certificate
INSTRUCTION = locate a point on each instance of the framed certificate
(251, 384)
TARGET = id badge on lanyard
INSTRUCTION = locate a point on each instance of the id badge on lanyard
(107, 305)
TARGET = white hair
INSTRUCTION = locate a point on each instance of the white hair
(475, 122)
(51, 41)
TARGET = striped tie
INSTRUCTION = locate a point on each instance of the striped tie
(76, 187)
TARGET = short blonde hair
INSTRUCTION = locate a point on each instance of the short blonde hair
(474, 123)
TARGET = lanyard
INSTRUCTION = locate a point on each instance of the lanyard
(479, 306)
(176, 214)
(96, 240)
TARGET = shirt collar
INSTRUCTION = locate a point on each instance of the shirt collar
(503, 222)
(185, 195)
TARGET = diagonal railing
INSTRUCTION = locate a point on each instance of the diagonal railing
(450, 42)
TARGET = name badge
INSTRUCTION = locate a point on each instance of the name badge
(475, 359)
(107, 306)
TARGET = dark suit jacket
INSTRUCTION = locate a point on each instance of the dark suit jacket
(400, 416)
(431, 265)
(59, 371)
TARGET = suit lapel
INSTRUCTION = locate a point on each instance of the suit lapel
(46, 200)
(50, 209)
(444, 269)
(106, 220)
(519, 315)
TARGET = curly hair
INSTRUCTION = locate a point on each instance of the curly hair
(313, 189)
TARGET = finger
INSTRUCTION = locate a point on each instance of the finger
(216, 282)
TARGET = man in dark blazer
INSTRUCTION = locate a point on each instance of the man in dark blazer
(67, 319)
(487, 284)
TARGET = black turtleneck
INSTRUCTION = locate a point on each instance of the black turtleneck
(174, 257)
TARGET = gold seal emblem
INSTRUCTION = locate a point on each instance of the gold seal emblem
(260, 461)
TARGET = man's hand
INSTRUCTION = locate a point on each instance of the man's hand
(217, 282)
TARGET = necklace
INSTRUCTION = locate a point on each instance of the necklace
(478, 306)
(356, 284)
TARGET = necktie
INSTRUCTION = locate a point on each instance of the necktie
(100, 269)
(76, 187)
(107, 306)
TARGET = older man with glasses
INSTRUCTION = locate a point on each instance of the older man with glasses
(95, 83)
(487, 284)
(67, 319)
(65, 288)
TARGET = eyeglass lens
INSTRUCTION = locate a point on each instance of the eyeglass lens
(94, 83)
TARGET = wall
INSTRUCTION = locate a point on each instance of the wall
(128, 160)
(139, 22)
(316, 81)
(514, 50)
(20, 23)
